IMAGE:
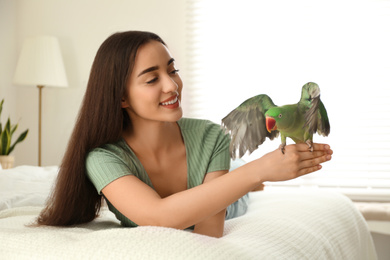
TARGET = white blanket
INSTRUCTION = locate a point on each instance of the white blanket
(278, 225)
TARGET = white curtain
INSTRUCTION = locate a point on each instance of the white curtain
(238, 49)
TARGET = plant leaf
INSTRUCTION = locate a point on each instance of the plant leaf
(14, 129)
(21, 137)
(6, 135)
(8, 125)
(1, 106)
(5, 142)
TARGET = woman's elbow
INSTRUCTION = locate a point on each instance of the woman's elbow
(165, 219)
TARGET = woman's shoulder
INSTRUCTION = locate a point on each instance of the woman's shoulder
(201, 130)
(115, 148)
(117, 152)
(112, 160)
(196, 124)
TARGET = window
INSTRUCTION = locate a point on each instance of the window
(238, 49)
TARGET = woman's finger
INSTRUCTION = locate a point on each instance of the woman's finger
(307, 155)
(315, 161)
(305, 171)
(302, 147)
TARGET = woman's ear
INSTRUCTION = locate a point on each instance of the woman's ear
(124, 103)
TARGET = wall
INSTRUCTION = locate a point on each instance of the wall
(7, 58)
(81, 26)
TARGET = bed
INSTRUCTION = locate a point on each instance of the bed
(278, 225)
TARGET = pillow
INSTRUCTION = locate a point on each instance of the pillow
(26, 186)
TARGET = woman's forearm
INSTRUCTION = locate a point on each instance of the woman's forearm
(197, 204)
(212, 197)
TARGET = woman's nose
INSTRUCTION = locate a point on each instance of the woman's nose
(169, 85)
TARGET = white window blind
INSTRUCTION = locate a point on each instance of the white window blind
(238, 49)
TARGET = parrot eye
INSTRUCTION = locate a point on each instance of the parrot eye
(280, 116)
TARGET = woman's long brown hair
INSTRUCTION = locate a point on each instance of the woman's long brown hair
(101, 120)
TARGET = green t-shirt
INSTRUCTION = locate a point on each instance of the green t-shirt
(207, 150)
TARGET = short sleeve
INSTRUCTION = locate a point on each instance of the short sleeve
(220, 157)
(104, 166)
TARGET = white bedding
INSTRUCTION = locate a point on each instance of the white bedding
(25, 186)
(278, 225)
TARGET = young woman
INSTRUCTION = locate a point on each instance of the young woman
(131, 145)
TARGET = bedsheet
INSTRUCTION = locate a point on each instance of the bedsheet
(278, 225)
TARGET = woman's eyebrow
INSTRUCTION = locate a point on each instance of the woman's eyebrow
(154, 67)
(171, 61)
(148, 70)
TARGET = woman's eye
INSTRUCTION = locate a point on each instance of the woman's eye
(152, 81)
(174, 71)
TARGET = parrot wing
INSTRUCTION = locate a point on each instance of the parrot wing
(323, 126)
(316, 116)
(246, 125)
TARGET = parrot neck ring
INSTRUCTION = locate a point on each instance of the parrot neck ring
(270, 123)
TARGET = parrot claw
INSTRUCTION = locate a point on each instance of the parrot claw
(281, 147)
(310, 144)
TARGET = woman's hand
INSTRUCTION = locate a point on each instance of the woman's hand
(296, 161)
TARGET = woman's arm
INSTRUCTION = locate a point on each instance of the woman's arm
(144, 206)
(214, 225)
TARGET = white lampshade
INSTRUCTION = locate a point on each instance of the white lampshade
(40, 63)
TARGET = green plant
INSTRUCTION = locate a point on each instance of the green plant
(6, 135)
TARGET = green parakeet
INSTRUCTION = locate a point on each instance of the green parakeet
(258, 117)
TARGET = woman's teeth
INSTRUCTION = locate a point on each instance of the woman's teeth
(173, 101)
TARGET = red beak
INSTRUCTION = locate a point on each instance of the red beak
(270, 123)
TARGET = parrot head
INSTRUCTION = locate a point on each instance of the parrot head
(310, 91)
(276, 118)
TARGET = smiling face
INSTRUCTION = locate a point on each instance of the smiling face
(154, 86)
